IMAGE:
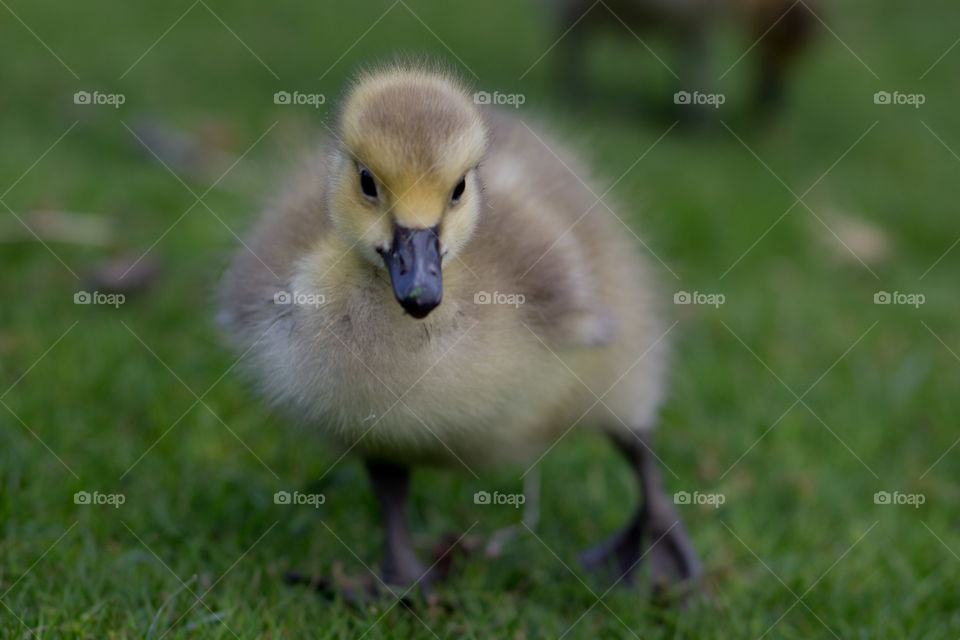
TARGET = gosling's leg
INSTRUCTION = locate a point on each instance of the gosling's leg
(401, 566)
(655, 532)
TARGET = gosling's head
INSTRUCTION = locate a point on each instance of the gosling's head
(405, 192)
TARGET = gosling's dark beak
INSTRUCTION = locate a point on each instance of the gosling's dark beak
(414, 265)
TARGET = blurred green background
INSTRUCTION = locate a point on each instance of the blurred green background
(797, 399)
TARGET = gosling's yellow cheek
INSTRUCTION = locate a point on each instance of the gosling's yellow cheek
(458, 225)
(374, 229)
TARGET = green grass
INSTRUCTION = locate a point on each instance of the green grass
(799, 518)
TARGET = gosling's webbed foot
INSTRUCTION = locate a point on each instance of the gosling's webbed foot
(401, 577)
(402, 572)
(402, 569)
(655, 536)
(358, 592)
(673, 560)
(617, 558)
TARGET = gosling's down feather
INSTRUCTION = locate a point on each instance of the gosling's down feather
(546, 319)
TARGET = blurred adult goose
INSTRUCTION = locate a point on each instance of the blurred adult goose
(777, 32)
(439, 287)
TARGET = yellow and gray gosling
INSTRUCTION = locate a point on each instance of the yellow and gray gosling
(437, 287)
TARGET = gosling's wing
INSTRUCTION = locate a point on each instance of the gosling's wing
(543, 234)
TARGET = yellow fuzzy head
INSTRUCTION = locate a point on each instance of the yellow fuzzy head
(410, 141)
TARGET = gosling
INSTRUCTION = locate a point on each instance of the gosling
(438, 287)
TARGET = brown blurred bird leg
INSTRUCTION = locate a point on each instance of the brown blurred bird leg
(695, 73)
(655, 531)
(570, 69)
(782, 38)
(400, 567)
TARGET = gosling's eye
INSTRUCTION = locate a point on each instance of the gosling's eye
(367, 184)
(458, 190)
